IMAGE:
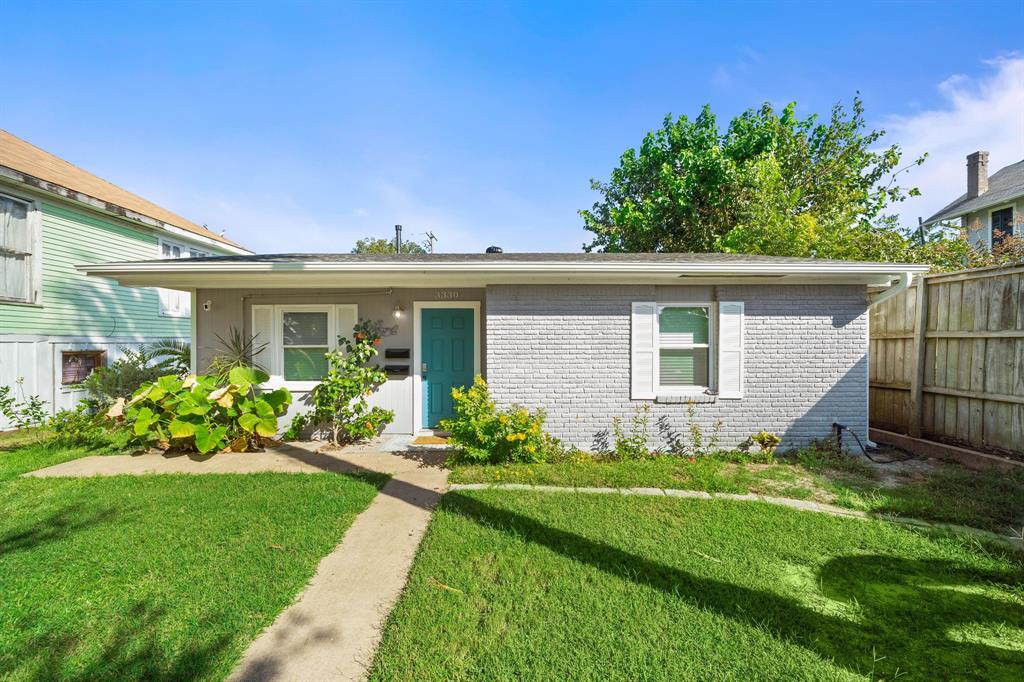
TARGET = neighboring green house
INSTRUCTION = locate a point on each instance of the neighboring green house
(56, 324)
(992, 208)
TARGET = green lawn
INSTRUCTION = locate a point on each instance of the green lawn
(525, 585)
(23, 451)
(941, 492)
(154, 577)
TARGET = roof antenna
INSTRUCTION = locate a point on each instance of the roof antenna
(398, 239)
(430, 241)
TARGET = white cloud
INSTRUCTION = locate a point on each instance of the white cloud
(726, 75)
(981, 113)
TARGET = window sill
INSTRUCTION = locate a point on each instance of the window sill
(686, 398)
(23, 304)
(176, 316)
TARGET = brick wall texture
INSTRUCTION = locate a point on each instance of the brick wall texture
(566, 349)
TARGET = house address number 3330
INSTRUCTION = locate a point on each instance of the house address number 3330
(446, 294)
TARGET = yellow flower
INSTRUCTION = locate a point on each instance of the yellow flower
(503, 419)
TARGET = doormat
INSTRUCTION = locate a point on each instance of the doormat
(430, 440)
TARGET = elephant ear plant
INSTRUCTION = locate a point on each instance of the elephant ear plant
(203, 414)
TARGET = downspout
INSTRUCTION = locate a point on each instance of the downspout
(901, 285)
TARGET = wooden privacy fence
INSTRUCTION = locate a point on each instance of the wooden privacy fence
(947, 359)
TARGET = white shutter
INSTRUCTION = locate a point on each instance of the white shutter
(263, 329)
(730, 349)
(346, 316)
(642, 346)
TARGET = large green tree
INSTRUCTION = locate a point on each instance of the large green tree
(382, 245)
(771, 183)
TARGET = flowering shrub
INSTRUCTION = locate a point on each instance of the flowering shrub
(339, 400)
(483, 434)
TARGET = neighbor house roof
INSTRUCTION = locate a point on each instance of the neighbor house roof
(31, 165)
(1004, 186)
(475, 269)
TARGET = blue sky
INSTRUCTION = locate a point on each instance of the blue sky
(301, 127)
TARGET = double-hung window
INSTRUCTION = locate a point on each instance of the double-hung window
(684, 334)
(306, 337)
(291, 340)
(18, 251)
(175, 303)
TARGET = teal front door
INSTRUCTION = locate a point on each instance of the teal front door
(447, 352)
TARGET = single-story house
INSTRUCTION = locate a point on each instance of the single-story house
(748, 343)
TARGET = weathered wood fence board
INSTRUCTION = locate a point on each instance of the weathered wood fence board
(947, 359)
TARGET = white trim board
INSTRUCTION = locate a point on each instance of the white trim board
(417, 356)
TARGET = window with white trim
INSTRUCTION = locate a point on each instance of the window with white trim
(306, 338)
(19, 245)
(683, 340)
(293, 339)
(174, 303)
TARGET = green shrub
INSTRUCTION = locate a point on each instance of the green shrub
(340, 399)
(78, 428)
(27, 413)
(121, 379)
(198, 413)
(632, 444)
(483, 434)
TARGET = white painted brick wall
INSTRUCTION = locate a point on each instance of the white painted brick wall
(565, 348)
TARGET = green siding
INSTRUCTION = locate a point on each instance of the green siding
(74, 304)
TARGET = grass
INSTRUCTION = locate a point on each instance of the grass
(154, 577)
(937, 492)
(23, 451)
(513, 585)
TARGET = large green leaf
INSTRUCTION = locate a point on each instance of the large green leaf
(278, 399)
(210, 440)
(170, 384)
(181, 429)
(143, 420)
(244, 377)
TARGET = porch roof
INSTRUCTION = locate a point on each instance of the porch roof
(472, 269)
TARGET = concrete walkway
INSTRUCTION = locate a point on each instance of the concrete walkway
(332, 629)
(804, 505)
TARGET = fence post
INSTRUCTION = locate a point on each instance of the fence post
(917, 379)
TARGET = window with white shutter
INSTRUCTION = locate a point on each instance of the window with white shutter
(730, 349)
(18, 250)
(293, 340)
(680, 349)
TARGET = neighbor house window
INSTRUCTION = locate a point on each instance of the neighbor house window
(1002, 224)
(17, 251)
(176, 303)
(684, 351)
(305, 340)
(77, 365)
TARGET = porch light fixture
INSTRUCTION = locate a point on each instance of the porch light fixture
(399, 310)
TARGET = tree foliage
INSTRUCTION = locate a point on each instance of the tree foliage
(382, 245)
(771, 183)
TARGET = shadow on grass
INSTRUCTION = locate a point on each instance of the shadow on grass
(131, 651)
(55, 526)
(906, 608)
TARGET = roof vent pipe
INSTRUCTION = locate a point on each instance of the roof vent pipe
(494, 249)
(398, 239)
